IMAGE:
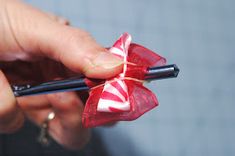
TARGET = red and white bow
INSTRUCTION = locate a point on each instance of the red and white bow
(114, 97)
(123, 97)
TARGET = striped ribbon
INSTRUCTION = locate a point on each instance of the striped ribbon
(114, 97)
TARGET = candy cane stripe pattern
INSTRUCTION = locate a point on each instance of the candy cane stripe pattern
(114, 97)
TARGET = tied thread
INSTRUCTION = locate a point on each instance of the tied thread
(121, 78)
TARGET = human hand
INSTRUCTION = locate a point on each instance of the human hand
(36, 46)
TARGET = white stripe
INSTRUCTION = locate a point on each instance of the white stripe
(103, 105)
(128, 42)
(111, 89)
(122, 84)
(125, 46)
(117, 51)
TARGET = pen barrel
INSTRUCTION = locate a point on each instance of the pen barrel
(162, 72)
(50, 87)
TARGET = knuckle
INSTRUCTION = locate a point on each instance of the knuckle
(80, 38)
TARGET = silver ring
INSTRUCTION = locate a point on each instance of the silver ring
(44, 137)
(50, 116)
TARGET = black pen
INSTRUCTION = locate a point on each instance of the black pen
(80, 84)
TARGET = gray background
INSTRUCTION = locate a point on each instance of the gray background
(196, 115)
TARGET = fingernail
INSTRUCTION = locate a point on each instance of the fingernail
(107, 60)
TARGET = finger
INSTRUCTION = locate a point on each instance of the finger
(36, 108)
(75, 48)
(67, 106)
(66, 128)
(38, 116)
(11, 118)
(33, 102)
(58, 19)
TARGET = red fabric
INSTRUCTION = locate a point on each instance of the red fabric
(141, 99)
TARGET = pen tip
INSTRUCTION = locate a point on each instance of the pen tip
(176, 70)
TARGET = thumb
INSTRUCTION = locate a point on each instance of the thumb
(73, 47)
(78, 51)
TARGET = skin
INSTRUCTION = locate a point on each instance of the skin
(37, 47)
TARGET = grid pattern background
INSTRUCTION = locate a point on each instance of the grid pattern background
(196, 115)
